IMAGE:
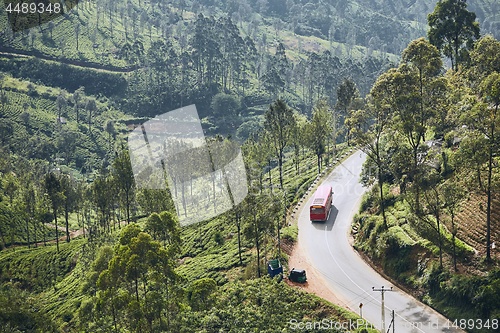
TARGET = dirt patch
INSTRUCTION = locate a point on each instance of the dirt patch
(315, 283)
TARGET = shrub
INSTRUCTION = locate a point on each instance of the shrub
(396, 258)
(367, 201)
(218, 238)
(290, 233)
(434, 277)
(225, 105)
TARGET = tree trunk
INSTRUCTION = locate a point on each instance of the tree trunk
(183, 199)
(83, 223)
(382, 200)
(167, 297)
(113, 310)
(490, 172)
(257, 242)
(213, 189)
(440, 240)
(136, 282)
(34, 231)
(28, 231)
(280, 164)
(453, 234)
(57, 230)
(269, 172)
(488, 205)
(414, 180)
(379, 179)
(66, 217)
(319, 163)
(3, 238)
(297, 159)
(90, 121)
(127, 194)
(238, 225)
(44, 236)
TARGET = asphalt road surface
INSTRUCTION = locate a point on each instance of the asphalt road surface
(327, 249)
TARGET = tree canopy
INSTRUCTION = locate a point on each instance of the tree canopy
(453, 29)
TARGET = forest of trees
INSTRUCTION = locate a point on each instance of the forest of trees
(80, 240)
(190, 61)
(431, 137)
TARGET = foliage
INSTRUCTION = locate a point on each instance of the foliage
(40, 268)
(290, 233)
(319, 130)
(124, 177)
(479, 295)
(64, 76)
(132, 58)
(201, 293)
(201, 56)
(252, 305)
(53, 188)
(137, 282)
(484, 58)
(41, 137)
(279, 123)
(225, 105)
(165, 227)
(421, 240)
(396, 258)
(453, 30)
(20, 313)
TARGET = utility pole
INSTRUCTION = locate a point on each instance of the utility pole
(382, 291)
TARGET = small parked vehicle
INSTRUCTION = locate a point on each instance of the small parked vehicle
(274, 268)
(297, 275)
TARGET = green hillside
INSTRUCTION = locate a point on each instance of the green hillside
(381, 25)
(361, 38)
(297, 85)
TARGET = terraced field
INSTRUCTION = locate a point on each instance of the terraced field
(472, 224)
(86, 33)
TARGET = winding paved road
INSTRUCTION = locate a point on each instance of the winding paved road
(327, 249)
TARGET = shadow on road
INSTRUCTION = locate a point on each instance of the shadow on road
(329, 222)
